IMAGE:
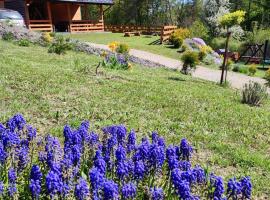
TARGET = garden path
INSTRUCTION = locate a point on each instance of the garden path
(236, 80)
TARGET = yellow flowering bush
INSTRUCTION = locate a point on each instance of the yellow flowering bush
(46, 37)
(178, 36)
(232, 19)
(113, 46)
(203, 51)
(252, 69)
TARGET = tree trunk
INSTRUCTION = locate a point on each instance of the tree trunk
(224, 65)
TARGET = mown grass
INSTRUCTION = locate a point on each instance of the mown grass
(51, 90)
(142, 42)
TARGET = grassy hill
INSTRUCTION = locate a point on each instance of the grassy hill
(51, 90)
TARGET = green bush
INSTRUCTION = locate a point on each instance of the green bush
(199, 30)
(219, 43)
(252, 69)
(253, 94)
(267, 77)
(122, 48)
(24, 43)
(8, 36)
(258, 36)
(190, 59)
(240, 68)
(60, 45)
(178, 36)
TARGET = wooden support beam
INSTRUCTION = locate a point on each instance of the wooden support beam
(101, 15)
(69, 17)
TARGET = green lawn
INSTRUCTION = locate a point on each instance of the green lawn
(51, 90)
(141, 43)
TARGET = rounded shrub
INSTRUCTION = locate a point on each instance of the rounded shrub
(122, 48)
(252, 69)
(178, 36)
(190, 59)
(253, 94)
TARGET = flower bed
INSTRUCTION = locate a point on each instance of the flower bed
(113, 165)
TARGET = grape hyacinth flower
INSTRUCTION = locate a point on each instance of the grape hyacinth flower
(35, 188)
(129, 191)
(120, 153)
(139, 170)
(184, 165)
(96, 178)
(131, 143)
(3, 154)
(199, 173)
(54, 184)
(122, 170)
(31, 133)
(156, 193)
(110, 190)
(35, 181)
(156, 156)
(246, 187)
(185, 150)
(100, 164)
(233, 188)
(12, 176)
(217, 184)
(2, 188)
(16, 122)
(81, 190)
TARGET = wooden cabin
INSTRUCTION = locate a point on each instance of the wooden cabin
(59, 15)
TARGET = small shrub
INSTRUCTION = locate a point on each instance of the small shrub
(113, 46)
(252, 69)
(8, 36)
(52, 34)
(199, 30)
(24, 43)
(117, 61)
(190, 59)
(178, 36)
(219, 43)
(243, 70)
(122, 48)
(253, 94)
(240, 68)
(60, 46)
(184, 47)
(204, 50)
(47, 38)
(267, 77)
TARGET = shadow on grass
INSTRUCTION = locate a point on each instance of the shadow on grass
(176, 79)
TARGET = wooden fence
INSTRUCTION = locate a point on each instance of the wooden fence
(131, 28)
(166, 32)
(40, 25)
(86, 26)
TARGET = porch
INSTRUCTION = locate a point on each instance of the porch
(49, 16)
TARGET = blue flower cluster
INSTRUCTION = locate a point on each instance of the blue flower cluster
(109, 166)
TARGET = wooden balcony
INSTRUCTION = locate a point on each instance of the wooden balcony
(41, 25)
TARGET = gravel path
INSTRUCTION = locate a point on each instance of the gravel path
(236, 80)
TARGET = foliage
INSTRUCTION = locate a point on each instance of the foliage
(8, 36)
(113, 165)
(252, 69)
(190, 59)
(64, 96)
(240, 68)
(219, 43)
(199, 30)
(178, 36)
(122, 48)
(203, 51)
(231, 19)
(229, 63)
(24, 43)
(253, 94)
(258, 36)
(47, 38)
(267, 77)
(213, 10)
(116, 61)
(60, 45)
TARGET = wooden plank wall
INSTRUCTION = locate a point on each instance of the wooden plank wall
(132, 28)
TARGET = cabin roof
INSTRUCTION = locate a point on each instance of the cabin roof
(107, 2)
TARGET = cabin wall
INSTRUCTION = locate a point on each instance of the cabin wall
(60, 12)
